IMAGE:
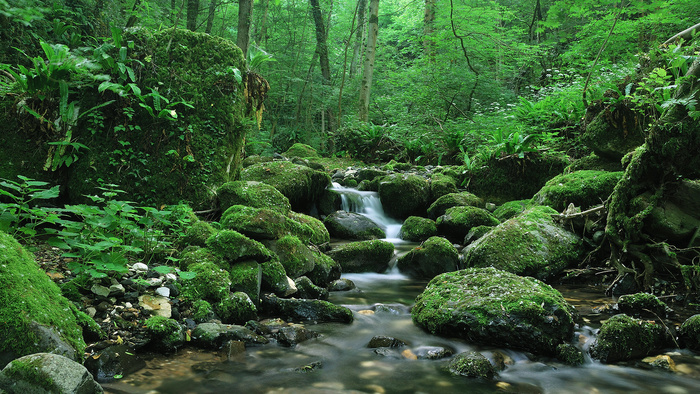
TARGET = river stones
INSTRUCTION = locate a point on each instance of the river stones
(443, 203)
(47, 373)
(363, 256)
(624, 338)
(304, 310)
(434, 256)
(472, 365)
(403, 195)
(489, 306)
(457, 221)
(417, 229)
(350, 225)
(584, 189)
(213, 335)
(252, 194)
(642, 304)
(530, 244)
(117, 360)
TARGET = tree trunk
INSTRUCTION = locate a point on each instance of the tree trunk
(210, 16)
(261, 35)
(192, 14)
(366, 86)
(360, 36)
(429, 28)
(245, 16)
(133, 18)
(322, 50)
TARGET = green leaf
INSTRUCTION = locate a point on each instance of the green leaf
(46, 194)
(186, 274)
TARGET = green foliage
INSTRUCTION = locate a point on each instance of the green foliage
(21, 217)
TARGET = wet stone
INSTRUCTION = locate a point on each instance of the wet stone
(102, 291)
(341, 284)
(385, 341)
(432, 352)
(294, 334)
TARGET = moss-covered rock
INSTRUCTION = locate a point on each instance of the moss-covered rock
(274, 278)
(47, 373)
(443, 203)
(596, 163)
(584, 189)
(689, 333)
(441, 184)
(472, 365)
(510, 209)
(246, 276)
(614, 130)
(350, 225)
(263, 223)
(457, 221)
(326, 270)
(529, 244)
(236, 308)
(210, 282)
(319, 232)
(234, 246)
(193, 255)
(642, 304)
(252, 194)
(403, 195)
(202, 311)
(302, 185)
(214, 335)
(303, 310)
(301, 150)
(329, 202)
(34, 316)
(297, 258)
(489, 306)
(434, 256)
(570, 354)
(476, 233)
(677, 218)
(364, 256)
(308, 290)
(197, 234)
(512, 178)
(165, 334)
(417, 229)
(624, 338)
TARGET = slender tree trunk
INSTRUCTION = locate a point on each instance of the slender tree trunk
(360, 36)
(365, 88)
(429, 28)
(345, 66)
(133, 18)
(536, 17)
(245, 17)
(210, 16)
(192, 14)
(261, 36)
(322, 49)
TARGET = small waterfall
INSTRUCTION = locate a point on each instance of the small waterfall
(369, 205)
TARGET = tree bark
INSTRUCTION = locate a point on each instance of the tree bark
(322, 49)
(192, 14)
(366, 87)
(133, 18)
(245, 16)
(261, 35)
(429, 28)
(360, 36)
(210, 16)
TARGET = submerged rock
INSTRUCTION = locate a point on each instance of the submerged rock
(214, 335)
(47, 373)
(350, 225)
(294, 334)
(342, 284)
(625, 338)
(385, 341)
(113, 361)
(363, 256)
(472, 365)
(434, 256)
(303, 310)
(489, 306)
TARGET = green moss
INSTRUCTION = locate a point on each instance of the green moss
(690, 332)
(252, 194)
(263, 223)
(294, 256)
(623, 338)
(319, 233)
(197, 234)
(473, 365)
(30, 369)
(210, 282)
(403, 195)
(570, 354)
(594, 162)
(583, 188)
(163, 329)
(364, 256)
(640, 303)
(457, 221)
(237, 308)
(325, 271)
(300, 184)
(417, 229)
(234, 246)
(246, 276)
(201, 311)
(442, 204)
(274, 277)
(510, 209)
(195, 254)
(434, 256)
(28, 296)
(300, 150)
(441, 184)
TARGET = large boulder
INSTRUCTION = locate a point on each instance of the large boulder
(584, 189)
(624, 338)
(493, 307)
(47, 373)
(443, 203)
(302, 185)
(34, 316)
(529, 244)
(117, 360)
(301, 150)
(403, 195)
(441, 184)
(233, 247)
(263, 223)
(319, 232)
(296, 257)
(363, 256)
(350, 225)
(613, 130)
(417, 229)
(677, 218)
(457, 221)
(252, 194)
(304, 310)
(690, 333)
(434, 256)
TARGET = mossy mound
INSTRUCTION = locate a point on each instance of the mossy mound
(363, 256)
(642, 304)
(326, 271)
(472, 365)
(297, 258)
(233, 246)
(42, 373)
(192, 255)
(596, 163)
(584, 189)
(274, 278)
(493, 307)
(513, 178)
(612, 131)
(434, 256)
(529, 244)
(165, 335)
(197, 234)
(625, 338)
(510, 209)
(441, 184)
(690, 333)
(34, 316)
(476, 233)
(252, 194)
(319, 232)
(302, 185)
(443, 203)
(350, 225)
(211, 283)
(263, 223)
(457, 221)
(301, 150)
(403, 195)
(236, 308)
(246, 276)
(417, 229)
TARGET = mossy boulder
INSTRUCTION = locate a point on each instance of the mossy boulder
(197, 234)
(326, 271)
(441, 184)
(301, 150)
(263, 223)
(529, 244)
(689, 333)
(195, 254)
(34, 316)
(434, 256)
(613, 130)
(274, 278)
(624, 338)
(570, 354)
(295, 256)
(302, 185)
(47, 373)
(306, 310)
(246, 276)
(677, 217)
(457, 221)
(236, 308)
(472, 365)
(443, 203)
(509, 209)
(642, 304)
(493, 307)
(595, 162)
(233, 246)
(506, 179)
(319, 232)
(350, 225)
(403, 195)
(363, 256)
(210, 282)
(584, 189)
(417, 229)
(166, 335)
(252, 194)
(308, 290)
(476, 233)
(214, 335)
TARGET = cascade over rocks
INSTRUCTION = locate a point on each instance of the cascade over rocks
(489, 306)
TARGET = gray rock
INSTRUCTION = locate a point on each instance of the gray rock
(100, 290)
(307, 289)
(304, 310)
(214, 335)
(114, 360)
(350, 225)
(47, 373)
(432, 352)
(139, 267)
(341, 284)
(385, 341)
(294, 334)
(163, 292)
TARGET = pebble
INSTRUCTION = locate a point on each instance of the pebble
(100, 290)
(163, 291)
(170, 277)
(139, 267)
(154, 282)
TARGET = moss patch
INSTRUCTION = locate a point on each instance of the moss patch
(262, 223)
(624, 338)
(233, 246)
(417, 229)
(443, 203)
(252, 194)
(584, 189)
(301, 150)
(457, 221)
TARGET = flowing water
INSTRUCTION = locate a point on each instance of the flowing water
(340, 361)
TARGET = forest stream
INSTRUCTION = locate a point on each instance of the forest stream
(341, 361)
